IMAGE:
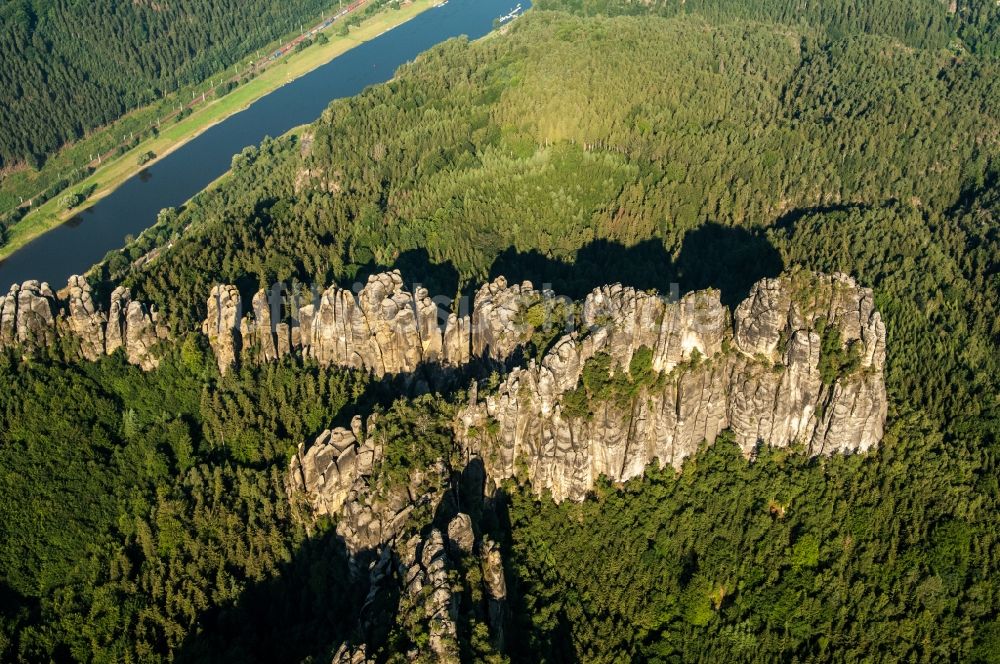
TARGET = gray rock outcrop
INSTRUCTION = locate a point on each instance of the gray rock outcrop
(33, 317)
(433, 571)
(336, 475)
(384, 328)
(460, 534)
(350, 654)
(27, 316)
(84, 320)
(495, 588)
(799, 363)
(762, 377)
(222, 326)
(424, 566)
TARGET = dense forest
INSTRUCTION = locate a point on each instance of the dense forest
(143, 517)
(921, 23)
(68, 67)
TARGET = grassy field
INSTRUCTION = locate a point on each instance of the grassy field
(172, 136)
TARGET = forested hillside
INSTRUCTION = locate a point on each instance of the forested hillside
(68, 67)
(522, 152)
(922, 23)
(143, 517)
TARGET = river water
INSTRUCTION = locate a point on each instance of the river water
(76, 245)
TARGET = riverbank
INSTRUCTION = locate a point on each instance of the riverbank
(116, 171)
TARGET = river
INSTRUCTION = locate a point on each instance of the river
(75, 246)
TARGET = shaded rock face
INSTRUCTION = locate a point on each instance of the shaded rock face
(799, 362)
(761, 377)
(384, 328)
(424, 565)
(424, 568)
(336, 474)
(33, 317)
(432, 573)
(348, 654)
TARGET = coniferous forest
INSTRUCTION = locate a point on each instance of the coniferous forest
(68, 67)
(144, 516)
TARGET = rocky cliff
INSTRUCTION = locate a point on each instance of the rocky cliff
(445, 579)
(799, 363)
(383, 328)
(641, 379)
(32, 317)
(429, 553)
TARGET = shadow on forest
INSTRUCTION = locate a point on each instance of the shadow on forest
(321, 599)
(309, 606)
(788, 220)
(417, 267)
(711, 256)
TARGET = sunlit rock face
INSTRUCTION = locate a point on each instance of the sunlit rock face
(760, 374)
(383, 328)
(33, 317)
(643, 379)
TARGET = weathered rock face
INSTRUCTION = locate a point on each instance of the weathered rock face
(141, 332)
(383, 329)
(348, 654)
(767, 386)
(32, 317)
(497, 325)
(800, 362)
(335, 475)
(222, 325)
(432, 573)
(624, 320)
(461, 537)
(84, 320)
(424, 566)
(27, 316)
(784, 320)
(133, 329)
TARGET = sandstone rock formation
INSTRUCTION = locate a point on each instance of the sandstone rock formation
(383, 329)
(762, 377)
(84, 320)
(424, 566)
(429, 575)
(133, 329)
(336, 475)
(799, 362)
(495, 588)
(420, 563)
(33, 317)
(348, 654)
(27, 316)
(222, 325)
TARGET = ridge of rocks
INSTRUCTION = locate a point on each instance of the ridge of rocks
(382, 328)
(33, 317)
